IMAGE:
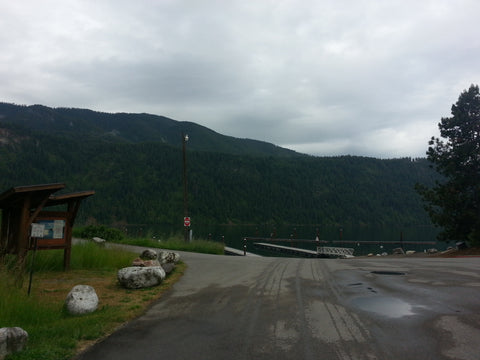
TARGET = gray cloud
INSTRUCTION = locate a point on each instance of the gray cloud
(322, 77)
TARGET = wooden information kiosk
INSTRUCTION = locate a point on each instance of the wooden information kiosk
(26, 225)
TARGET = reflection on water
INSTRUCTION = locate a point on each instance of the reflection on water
(385, 306)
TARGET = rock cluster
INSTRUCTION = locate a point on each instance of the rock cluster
(147, 258)
(148, 270)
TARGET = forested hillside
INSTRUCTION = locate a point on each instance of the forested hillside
(140, 182)
(130, 128)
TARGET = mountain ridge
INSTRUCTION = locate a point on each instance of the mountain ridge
(132, 127)
(230, 181)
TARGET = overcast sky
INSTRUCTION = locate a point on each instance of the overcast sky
(323, 77)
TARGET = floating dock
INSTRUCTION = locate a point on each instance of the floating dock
(288, 250)
(235, 252)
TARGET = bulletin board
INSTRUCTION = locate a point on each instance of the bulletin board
(54, 231)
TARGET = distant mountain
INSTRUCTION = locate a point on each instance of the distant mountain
(131, 128)
(134, 163)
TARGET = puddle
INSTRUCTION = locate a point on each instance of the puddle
(386, 272)
(385, 306)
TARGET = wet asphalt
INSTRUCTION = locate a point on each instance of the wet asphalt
(228, 307)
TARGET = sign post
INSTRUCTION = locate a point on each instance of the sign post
(37, 232)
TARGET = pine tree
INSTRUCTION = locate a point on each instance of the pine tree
(454, 203)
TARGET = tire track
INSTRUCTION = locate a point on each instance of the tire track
(305, 331)
(342, 330)
(268, 286)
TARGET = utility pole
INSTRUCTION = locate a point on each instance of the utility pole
(186, 218)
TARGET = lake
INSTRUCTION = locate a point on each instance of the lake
(364, 239)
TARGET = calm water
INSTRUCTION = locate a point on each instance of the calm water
(378, 237)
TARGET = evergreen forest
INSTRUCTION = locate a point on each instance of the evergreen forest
(134, 162)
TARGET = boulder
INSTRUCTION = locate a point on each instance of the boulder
(168, 267)
(144, 263)
(12, 339)
(136, 277)
(149, 254)
(168, 257)
(82, 299)
(398, 251)
(98, 240)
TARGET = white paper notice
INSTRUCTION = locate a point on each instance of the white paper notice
(58, 226)
(37, 230)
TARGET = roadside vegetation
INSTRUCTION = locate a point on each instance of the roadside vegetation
(175, 242)
(53, 333)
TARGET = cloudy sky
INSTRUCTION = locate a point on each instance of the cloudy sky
(323, 77)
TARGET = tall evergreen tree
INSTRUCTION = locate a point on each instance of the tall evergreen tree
(454, 203)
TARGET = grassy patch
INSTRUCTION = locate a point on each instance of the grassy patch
(175, 242)
(198, 246)
(53, 333)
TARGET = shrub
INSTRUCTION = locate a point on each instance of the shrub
(100, 231)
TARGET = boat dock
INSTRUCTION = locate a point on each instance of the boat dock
(288, 250)
(235, 252)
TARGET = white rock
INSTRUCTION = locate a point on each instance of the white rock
(82, 299)
(168, 257)
(98, 240)
(12, 339)
(168, 267)
(135, 277)
(3, 343)
(398, 251)
(148, 254)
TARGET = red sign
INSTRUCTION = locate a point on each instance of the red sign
(186, 221)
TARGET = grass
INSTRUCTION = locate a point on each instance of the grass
(173, 242)
(199, 246)
(53, 333)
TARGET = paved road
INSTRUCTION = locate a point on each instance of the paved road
(280, 308)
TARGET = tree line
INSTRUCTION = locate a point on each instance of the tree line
(239, 181)
(142, 183)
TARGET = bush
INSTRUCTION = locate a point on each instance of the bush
(100, 231)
